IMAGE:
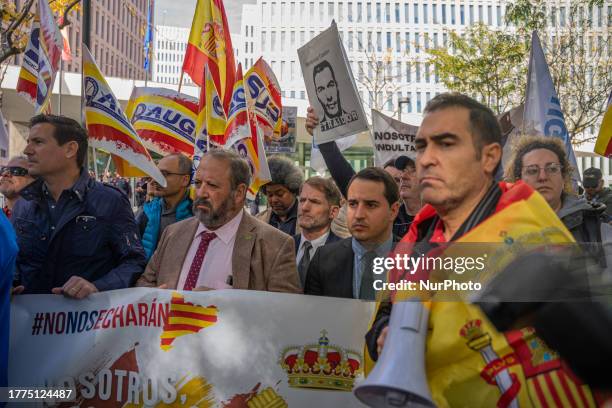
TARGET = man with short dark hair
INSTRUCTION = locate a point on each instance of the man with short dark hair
(76, 236)
(13, 178)
(318, 206)
(171, 203)
(345, 268)
(222, 246)
(327, 90)
(282, 194)
(393, 171)
(409, 195)
(458, 152)
(594, 189)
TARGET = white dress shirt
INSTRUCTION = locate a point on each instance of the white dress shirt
(217, 264)
(316, 243)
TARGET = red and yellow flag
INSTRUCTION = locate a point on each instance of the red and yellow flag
(109, 128)
(263, 97)
(215, 113)
(210, 44)
(185, 318)
(238, 126)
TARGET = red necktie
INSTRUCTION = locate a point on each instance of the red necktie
(196, 264)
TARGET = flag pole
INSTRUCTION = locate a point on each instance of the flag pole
(180, 81)
(59, 96)
(86, 41)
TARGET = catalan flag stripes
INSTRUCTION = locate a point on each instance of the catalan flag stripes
(185, 318)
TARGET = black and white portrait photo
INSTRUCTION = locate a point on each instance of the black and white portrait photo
(331, 88)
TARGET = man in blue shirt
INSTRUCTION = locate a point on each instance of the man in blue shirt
(8, 251)
(76, 236)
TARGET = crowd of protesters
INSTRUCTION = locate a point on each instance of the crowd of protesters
(72, 235)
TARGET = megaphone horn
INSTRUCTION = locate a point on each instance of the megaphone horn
(399, 379)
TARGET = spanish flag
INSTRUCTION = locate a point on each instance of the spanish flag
(603, 145)
(210, 44)
(109, 128)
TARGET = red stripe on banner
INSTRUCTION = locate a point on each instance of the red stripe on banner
(165, 142)
(539, 391)
(23, 85)
(167, 341)
(188, 327)
(192, 315)
(552, 389)
(609, 149)
(566, 388)
(109, 133)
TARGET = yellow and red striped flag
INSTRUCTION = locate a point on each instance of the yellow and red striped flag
(210, 44)
(66, 52)
(185, 318)
(109, 128)
(603, 145)
(215, 113)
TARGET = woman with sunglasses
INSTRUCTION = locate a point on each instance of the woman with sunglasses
(13, 178)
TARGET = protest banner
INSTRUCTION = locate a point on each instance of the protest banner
(223, 348)
(164, 119)
(288, 135)
(331, 87)
(391, 138)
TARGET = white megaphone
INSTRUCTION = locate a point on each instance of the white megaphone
(399, 379)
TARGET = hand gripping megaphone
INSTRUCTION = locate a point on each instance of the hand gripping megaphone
(399, 379)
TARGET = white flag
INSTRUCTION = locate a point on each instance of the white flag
(543, 113)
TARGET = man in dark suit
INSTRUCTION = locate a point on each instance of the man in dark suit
(345, 268)
(318, 205)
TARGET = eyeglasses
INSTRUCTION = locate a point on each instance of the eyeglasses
(13, 171)
(550, 169)
(169, 173)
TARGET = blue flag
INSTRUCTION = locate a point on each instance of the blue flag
(543, 115)
(148, 37)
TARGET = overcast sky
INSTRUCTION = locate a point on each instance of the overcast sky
(180, 12)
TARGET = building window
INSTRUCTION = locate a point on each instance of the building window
(562, 16)
(417, 40)
(312, 12)
(427, 76)
(406, 8)
(490, 15)
(407, 41)
(292, 73)
(471, 14)
(389, 41)
(443, 6)
(480, 14)
(360, 41)
(321, 11)
(398, 43)
(397, 12)
(416, 13)
(349, 12)
(263, 40)
(435, 40)
(417, 72)
(340, 12)
(359, 12)
(425, 14)
(387, 13)
(379, 41)
(398, 74)
(434, 13)
(330, 10)
(418, 102)
(462, 14)
(292, 40)
(499, 16)
(378, 13)
(408, 73)
(350, 41)
(369, 12)
(370, 42)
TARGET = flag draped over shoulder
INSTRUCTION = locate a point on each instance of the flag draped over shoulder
(164, 119)
(264, 99)
(543, 115)
(603, 145)
(465, 351)
(109, 128)
(210, 44)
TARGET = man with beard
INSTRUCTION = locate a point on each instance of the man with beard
(222, 246)
(318, 206)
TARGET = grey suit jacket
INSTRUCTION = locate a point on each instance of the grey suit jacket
(263, 257)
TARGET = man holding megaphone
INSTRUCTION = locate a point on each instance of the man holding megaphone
(468, 362)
